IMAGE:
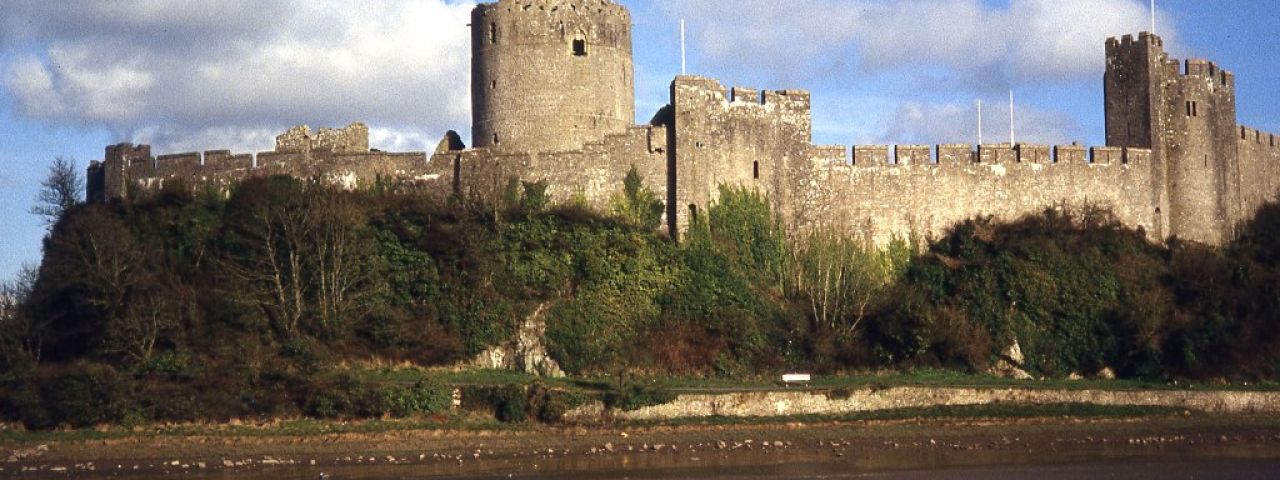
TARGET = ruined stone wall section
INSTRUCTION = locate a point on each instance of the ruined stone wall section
(353, 138)
(878, 202)
(127, 168)
(593, 174)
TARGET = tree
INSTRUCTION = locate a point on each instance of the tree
(839, 278)
(271, 231)
(343, 259)
(21, 337)
(59, 191)
(638, 204)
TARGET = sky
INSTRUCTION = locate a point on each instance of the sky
(77, 75)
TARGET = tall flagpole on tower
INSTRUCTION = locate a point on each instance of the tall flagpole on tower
(1153, 17)
(1012, 139)
(979, 122)
(683, 61)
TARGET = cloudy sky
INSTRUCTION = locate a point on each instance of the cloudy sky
(76, 75)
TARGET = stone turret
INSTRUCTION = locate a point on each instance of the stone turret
(1187, 117)
(550, 75)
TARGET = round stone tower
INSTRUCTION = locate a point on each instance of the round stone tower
(550, 75)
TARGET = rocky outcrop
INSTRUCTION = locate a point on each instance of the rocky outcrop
(527, 352)
(1010, 363)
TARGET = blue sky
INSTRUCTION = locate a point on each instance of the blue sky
(76, 75)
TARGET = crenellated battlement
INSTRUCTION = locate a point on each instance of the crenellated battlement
(951, 155)
(1144, 39)
(712, 91)
(1205, 69)
(1259, 137)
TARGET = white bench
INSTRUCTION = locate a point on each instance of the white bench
(791, 378)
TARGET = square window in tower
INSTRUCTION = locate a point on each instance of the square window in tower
(580, 47)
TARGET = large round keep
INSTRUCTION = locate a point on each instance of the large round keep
(550, 75)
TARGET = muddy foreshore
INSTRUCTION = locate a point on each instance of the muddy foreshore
(651, 451)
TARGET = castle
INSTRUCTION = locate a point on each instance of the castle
(553, 100)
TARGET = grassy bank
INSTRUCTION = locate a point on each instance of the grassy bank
(915, 378)
(458, 424)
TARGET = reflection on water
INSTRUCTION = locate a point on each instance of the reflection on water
(1200, 462)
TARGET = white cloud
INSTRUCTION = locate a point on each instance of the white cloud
(1024, 41)
(957, 123)
(233, 74)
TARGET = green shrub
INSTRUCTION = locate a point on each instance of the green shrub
(550, 405)
(510, 404)
(427, 396)
(86, 394)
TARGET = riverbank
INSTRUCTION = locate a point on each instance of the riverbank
(917, 439)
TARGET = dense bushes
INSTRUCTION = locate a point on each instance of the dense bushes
(1079, 292)
(181, 306)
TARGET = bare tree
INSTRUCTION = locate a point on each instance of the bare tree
(21, 335)
(340, 258)
(146, 320)
(277, 237)
(840, 278)
(60, 190)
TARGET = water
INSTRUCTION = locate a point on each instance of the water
(1174, 464)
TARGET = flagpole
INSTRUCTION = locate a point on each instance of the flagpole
(1153, 17)
(1012, 139)
(979, 122)
(683, 58)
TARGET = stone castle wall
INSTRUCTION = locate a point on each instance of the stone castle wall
(1259, 169)
(739, 136)
(338, 156)
(593, 173)
(553, 100)
(922, 197)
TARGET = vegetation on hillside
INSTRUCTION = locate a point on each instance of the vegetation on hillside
(183, 306)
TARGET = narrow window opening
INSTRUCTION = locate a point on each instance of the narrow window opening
(493, 85)
(1195, 109)
(755, 170)
(495, 139)
(693, 214)
(493, 33)
(1188, 109)
(579, 47)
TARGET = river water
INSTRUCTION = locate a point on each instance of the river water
(1167, 465)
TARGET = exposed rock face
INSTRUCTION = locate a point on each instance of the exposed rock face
(527, 352)
(1010, 363)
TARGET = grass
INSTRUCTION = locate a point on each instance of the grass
(975, 412)
(947, 378)
(915, 378)
(282, 428)
(311, 428)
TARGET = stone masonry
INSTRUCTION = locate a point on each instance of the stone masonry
(553, 101)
